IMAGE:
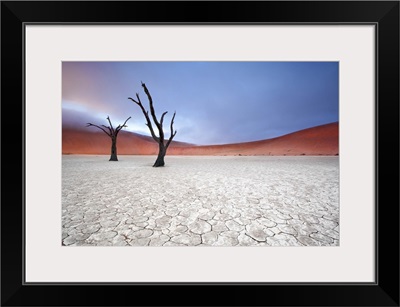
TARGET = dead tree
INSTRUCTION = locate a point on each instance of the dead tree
(160, 139)
(112, 133)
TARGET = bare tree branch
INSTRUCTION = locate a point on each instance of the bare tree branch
(138, 98)
(153, 112)
(90, 124)
(118, 129)
(111, 126)
(109, 129)
(162, 118)
(172, 131)
(160, 128)
(146, 115)
(133, 100)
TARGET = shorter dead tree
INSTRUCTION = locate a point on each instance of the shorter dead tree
(112, 133)
(162, 144)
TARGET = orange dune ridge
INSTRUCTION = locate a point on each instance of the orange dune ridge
(320, 140)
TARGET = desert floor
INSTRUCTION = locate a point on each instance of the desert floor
(200, 201)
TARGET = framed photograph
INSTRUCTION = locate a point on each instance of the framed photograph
(243, 153)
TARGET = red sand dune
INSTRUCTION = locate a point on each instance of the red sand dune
(320, 140)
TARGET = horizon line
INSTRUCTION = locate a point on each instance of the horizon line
(199, 145)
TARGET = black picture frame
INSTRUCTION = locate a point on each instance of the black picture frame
(383, 14)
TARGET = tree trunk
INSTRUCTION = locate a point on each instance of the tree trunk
(113, 150)
(161, 154)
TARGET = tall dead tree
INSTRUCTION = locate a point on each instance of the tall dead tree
(112, 133)
(162, 144)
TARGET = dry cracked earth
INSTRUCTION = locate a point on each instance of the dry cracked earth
(200, 201)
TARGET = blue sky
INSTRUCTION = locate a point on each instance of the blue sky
(215, 102)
